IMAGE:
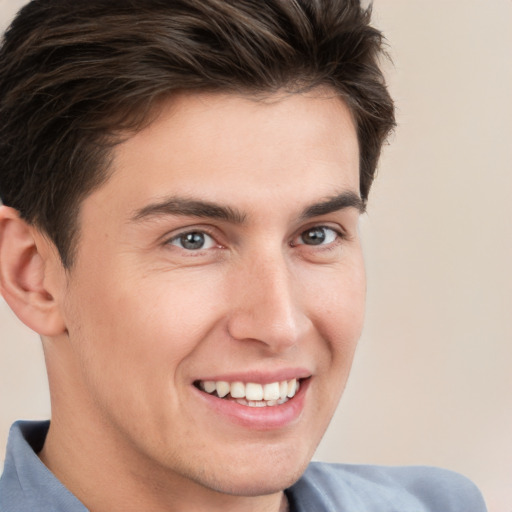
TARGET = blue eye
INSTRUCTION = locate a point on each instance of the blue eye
(319, 235)
(193, 241)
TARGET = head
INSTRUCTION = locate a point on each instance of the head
(184, 181)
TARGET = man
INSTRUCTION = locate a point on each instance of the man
(182, 183)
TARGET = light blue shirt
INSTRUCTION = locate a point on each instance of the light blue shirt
(27, 485)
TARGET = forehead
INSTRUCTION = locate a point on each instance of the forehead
(228, 148)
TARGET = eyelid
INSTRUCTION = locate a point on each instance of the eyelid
(338, 230)
(205, 230)
(177, 239)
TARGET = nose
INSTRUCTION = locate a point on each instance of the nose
(266, 305)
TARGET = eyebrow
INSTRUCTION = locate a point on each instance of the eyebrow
(341, 201)
(206, 209)
(190, 208)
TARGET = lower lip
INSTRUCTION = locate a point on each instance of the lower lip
(259, 418)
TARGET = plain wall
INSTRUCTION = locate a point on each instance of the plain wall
(432, 379)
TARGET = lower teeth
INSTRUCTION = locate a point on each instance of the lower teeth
(260, 403)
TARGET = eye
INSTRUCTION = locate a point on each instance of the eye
(193, 241)
(318, 235)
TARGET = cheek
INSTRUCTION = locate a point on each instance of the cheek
(129, 348)
(154, 322)
(339, 316)
(340, 306)
(338, 303)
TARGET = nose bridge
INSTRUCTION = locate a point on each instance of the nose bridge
(265, 305)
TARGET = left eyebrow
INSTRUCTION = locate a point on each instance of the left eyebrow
(341, 201)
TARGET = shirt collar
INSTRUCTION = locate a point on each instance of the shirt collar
(26, 483)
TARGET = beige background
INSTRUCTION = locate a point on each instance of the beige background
(432, 379)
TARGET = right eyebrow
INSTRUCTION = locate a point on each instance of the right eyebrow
(347, 199)
(190, 208)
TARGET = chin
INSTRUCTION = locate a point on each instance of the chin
(258, 477)
(258, 485)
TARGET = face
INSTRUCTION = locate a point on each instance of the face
(219, 266)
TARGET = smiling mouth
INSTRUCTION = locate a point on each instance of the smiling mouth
(252, 394)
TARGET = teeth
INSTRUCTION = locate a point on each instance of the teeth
(254, 391)
(238, 390)
(283, 389)
(209, 386)
(292, 388)
(257, 403)
(271, 391)
(253, 394)
(222, 387)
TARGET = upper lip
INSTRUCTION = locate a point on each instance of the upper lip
(260, 377)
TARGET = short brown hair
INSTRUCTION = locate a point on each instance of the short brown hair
(74, 75)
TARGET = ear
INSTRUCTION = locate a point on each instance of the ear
(23, 280)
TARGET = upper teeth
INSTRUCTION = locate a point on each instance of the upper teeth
(251, 390)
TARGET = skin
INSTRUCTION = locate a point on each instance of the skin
(139, 317)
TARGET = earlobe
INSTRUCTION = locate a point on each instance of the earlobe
(22, 276)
